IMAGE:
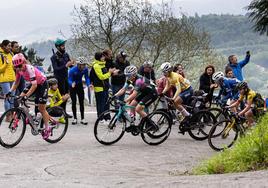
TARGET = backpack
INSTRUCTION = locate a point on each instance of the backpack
(258, 101)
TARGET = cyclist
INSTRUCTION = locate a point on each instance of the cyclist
(54, 96)
(38, 85)
(227, 87)
(184, 90)
(143, 95)
(248, 95)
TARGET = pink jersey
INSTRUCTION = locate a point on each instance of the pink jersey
(31, 74)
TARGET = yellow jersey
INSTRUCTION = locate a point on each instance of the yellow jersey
(248, 97)
(55, 98)
(179, 82)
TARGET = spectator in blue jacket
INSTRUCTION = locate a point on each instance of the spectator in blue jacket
(76, 87)
(227, 87)
(237, 66)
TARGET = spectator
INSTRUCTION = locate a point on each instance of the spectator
(119, 80)
(108, 58)
(229, 72)
(76, 87)
(147, 71)
(61, 62)
(15, 48)
(237, 67)
(206, 82)
(54, 96)
(7, 73)
(178, 68)
(99, 76)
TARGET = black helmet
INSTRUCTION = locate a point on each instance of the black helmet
(242, 85)
(52, 81)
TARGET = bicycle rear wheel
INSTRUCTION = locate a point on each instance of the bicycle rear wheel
(58, 123)
(109, 133)
(12, 127)
(200, 125)
(156, 137)
(222, 135)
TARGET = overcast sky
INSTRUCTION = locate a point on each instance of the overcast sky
(22, 16)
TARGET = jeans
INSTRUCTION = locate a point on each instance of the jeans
(5, 89)
(101, 103)
(21, 86)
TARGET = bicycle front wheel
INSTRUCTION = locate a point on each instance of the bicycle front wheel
(163, 123)
(222, 135)
(109, 132)
(58, 123)
(200, 125)
(12, 127)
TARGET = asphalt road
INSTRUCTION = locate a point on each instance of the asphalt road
(80, 161)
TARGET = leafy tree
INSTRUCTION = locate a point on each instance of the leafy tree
(259, 14)
(31, 55)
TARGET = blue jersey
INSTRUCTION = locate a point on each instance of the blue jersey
(75, 75)
(228, 88)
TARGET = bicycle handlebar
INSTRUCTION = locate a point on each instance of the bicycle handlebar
(20, 100)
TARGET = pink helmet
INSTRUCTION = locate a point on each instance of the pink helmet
(18, 59)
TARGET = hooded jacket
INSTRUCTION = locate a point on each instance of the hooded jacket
(99, 76)
(7, 73)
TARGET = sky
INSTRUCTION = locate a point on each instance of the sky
(23, 19)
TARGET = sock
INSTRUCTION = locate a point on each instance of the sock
(185, 113)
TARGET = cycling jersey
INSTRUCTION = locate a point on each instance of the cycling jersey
(31, 74)
(248, 97)
(147, 93)
(56, 98)
(179, 82)
(228, 88)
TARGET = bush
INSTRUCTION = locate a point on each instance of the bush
(248, 153)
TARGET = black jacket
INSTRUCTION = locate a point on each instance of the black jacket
(148, 75)
(119, 79)
(205, 82)
(59, 62)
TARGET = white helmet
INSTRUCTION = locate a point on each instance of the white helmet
(148, 64)
(81, 61)
(130, 70)
(217, 76)
(166, 67)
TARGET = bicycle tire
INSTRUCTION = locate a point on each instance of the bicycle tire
(154, 138)
(15, 112)
(110, 127)
(217, 132)
(199, 123)
(63, 127)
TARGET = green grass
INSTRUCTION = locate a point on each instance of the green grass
(249, 153)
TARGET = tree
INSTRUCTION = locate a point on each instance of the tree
(259, 14)
(31, 56)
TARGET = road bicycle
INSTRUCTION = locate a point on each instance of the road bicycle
(120, 122)
(13, 130)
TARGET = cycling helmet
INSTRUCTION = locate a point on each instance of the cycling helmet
(81, 61)
(148, 64)
(242, 85)
(166, 67)
(130, 71)
(217, 76)
(52, 81)
(18, 59)
(59, 42)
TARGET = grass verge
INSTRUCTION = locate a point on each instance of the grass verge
(249, 153)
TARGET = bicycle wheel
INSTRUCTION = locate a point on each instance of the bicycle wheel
(218, 113)
(155, 137)
(112, 132)
(58, 122)
(222, 135)
(200, 125)
(12, 130)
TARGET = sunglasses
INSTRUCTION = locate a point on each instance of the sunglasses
(19, 66)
